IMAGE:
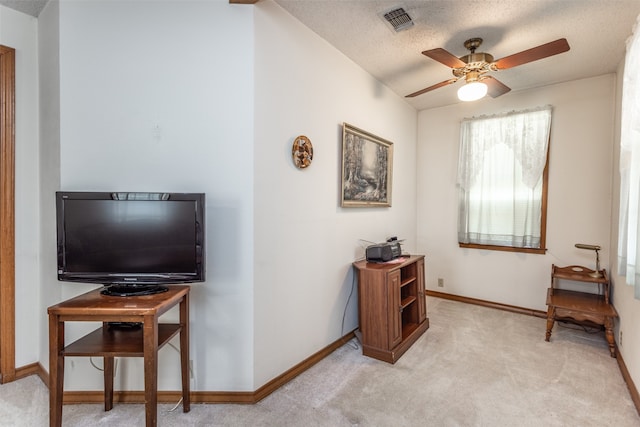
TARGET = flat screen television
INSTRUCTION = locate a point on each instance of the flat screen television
(133, 243)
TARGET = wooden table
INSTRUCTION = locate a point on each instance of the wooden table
(109, 342)
(581, 306)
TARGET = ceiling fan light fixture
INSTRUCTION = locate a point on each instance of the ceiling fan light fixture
(472, 91)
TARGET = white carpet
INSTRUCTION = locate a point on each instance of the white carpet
(475, 366)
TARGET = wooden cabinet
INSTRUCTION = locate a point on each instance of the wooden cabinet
(592, 308)
(392, 305)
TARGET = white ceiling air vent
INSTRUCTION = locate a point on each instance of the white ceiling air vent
(399, 19)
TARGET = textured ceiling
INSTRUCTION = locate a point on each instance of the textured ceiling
(30, 7)
(595, 29)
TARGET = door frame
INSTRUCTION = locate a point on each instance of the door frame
(7, 214)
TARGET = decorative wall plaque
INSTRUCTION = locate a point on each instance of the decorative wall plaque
(302, 152)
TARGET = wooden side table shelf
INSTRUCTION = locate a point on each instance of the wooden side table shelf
(109, 342)
(581, 306)
(392, 306)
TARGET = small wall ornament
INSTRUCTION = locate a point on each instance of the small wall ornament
(302, 152)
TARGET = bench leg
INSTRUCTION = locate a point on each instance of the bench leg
(551, 312)
(608, 333)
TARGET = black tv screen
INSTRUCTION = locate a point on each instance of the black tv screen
(131, 242)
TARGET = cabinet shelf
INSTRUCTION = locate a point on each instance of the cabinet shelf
(407, 302)
(408, 281)
(408, 329)
(392, 306)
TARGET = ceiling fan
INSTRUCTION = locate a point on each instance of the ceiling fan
(474, 67)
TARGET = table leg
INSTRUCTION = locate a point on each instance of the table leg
(551, 312)
(150, 334)
(608, 333)
(108, 383)
(56, 370)
(184, 353)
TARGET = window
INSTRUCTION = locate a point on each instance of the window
(629, 221)
(502, 181)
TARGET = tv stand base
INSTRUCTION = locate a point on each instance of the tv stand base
(132, 290)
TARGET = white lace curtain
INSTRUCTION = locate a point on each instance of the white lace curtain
(500, 167)
(629, 226)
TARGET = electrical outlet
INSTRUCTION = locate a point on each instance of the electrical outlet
(440, 282)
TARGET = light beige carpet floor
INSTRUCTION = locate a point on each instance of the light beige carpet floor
(475, 366)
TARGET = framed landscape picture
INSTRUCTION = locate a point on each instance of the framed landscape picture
(367, 162)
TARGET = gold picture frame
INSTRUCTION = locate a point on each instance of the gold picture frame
(367, 166)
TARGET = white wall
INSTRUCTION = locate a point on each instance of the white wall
(626, 304)
(49, 81)
(20, 32)
(167, 101)
(159, 98)
(579, 204)
(304, 241)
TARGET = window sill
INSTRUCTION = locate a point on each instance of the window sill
(539, 251)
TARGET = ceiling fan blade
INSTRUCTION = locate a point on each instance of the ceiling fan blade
(430, 88)
(444, 57)
(495, 87)
(533, 54)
